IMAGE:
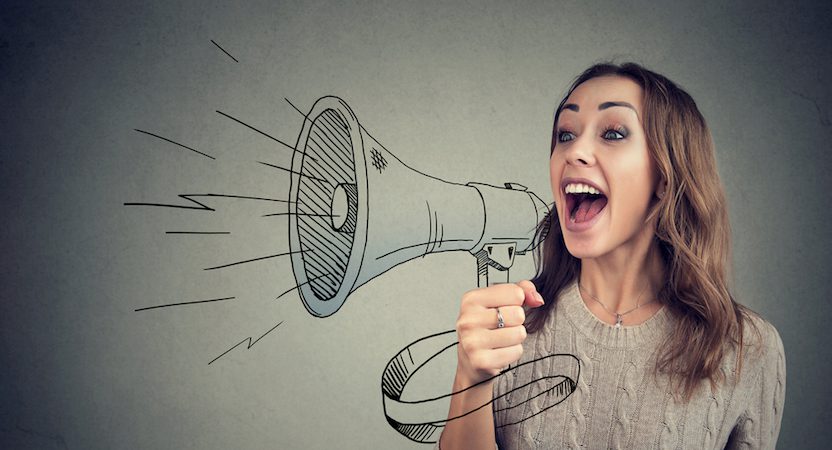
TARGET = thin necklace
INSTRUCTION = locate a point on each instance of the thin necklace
(619, 317)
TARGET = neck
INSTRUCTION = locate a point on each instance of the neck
(623, 280)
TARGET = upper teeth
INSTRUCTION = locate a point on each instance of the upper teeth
(580, 188)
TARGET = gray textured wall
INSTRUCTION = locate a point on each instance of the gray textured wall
(463, 91)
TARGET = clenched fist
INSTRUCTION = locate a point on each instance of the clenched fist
(485, 347)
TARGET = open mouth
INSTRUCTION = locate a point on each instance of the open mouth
(583, 201)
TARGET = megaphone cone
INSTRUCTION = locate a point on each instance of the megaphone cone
(357, 211)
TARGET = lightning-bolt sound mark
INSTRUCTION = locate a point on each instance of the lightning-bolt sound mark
(201, 207)
(249, 343)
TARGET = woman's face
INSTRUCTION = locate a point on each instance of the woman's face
(603, 178)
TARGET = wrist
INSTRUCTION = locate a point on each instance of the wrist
(467, 381)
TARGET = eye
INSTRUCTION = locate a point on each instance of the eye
(614, 133)
(565, 136)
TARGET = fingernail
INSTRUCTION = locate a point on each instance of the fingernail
(539, 297)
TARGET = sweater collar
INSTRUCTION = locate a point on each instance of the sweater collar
(650, 331)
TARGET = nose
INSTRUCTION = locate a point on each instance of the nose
(580, 152)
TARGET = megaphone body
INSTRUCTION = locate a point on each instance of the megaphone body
(357, 211)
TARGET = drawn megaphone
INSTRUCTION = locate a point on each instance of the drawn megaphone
(357, 211)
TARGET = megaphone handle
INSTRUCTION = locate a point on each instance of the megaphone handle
(482, 271)
(483, 262)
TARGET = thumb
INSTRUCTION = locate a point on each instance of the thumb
(532, 299)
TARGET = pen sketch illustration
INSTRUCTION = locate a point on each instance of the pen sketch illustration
(355, 211)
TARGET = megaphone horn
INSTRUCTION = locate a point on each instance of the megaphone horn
(357, 211)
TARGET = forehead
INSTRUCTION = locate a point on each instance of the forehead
(608, 88)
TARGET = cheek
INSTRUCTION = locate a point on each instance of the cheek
(635, 169)
(636, 187)
(555, 171)
(645, 182)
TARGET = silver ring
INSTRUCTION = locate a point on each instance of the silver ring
(500, 322)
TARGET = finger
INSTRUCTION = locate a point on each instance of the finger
(486, 318)
(513, 315)
(495, 360)
(502, 357)
(474, 341)
(531, 297)
(502, 337)
(497, 295)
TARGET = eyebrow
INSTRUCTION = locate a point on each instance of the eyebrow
(601, 107)
(606, 105)
(571, 106)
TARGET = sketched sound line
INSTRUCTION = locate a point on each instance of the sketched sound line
(197, 232)
(174, 142)
(291, 171)
(257, 130)
(305, 117)
(202, 206)
(185, 303)
(223, 50)
(302, 284)
(253, 260)
(299, 214)
(192, 203)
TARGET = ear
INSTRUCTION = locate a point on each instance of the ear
(661, 189)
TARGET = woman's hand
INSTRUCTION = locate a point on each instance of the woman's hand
(484, 348)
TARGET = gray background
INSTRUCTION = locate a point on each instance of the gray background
(462, 91)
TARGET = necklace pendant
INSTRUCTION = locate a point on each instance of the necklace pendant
(618, 320)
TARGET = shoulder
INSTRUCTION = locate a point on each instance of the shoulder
(761, 341)
(760, 392)
(763, 358)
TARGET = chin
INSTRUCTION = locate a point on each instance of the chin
(582, 251)
(583, 245)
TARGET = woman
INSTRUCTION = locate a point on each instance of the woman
(632, 284)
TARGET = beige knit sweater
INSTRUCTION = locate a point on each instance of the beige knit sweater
(618, 403)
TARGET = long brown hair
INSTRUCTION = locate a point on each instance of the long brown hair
(692, 231)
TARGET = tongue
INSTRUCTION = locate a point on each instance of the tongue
(589, 209)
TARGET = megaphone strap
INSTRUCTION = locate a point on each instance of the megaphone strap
(416, 419)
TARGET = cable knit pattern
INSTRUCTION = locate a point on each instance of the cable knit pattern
(619, 403)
